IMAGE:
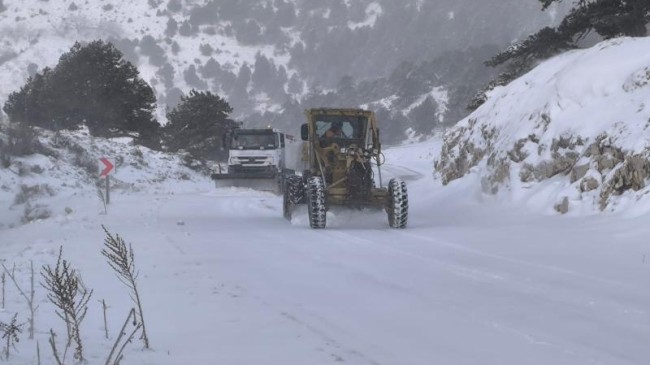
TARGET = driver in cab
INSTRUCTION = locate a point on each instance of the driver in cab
(335, 131)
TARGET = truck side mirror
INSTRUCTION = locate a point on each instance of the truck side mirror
(304, 132)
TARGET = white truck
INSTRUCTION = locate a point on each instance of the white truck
(256, 159)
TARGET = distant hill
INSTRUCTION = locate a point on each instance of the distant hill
(273, 58)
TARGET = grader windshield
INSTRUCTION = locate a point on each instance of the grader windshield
(343, 129)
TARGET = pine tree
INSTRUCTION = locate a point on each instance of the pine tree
(262, 72)
(172, 27)
(520, 58)
(197, 124)
(295, 85)
(244, 75)
(285, 14)
(608, 18)
(424, 117)
(92, 85)
(29, 106)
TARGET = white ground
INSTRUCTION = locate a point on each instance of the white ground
(226, 280)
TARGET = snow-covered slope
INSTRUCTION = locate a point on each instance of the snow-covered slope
(291, 49)
(63, 178)
(36, 33)
(571, 135)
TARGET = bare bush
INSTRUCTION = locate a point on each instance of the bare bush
(114, 358)
(82, 158)
(35, 212)
(29, 297)
(27, 192)
(20, 140)
(102, 198)
(122, 261)
(87, 162)
(10, 332)
(23, 140)
(67, 293)
(57, 356)
(37, 169)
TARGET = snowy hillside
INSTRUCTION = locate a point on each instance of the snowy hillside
(37, 33)
(264, 55)
(62, 178)
(571, 136)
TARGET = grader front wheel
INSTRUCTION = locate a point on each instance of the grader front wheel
(398, 204)
(316, 202)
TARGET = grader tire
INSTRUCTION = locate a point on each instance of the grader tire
(316, 207)
(398, 204)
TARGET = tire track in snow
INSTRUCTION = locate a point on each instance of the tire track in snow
(472, 251)
(522, 288)
(339, 351)
(401, 172)
(241, 204)
(458, 270)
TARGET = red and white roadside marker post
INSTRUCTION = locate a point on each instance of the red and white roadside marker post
(106, 171)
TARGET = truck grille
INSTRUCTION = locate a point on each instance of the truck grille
(252, 160)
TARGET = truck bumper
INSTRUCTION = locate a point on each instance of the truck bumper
(246, 175)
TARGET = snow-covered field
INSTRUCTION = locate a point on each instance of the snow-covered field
(224, 279)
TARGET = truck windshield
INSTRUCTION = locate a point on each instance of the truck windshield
(253, 141)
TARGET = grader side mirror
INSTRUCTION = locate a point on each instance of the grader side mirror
(304, 132)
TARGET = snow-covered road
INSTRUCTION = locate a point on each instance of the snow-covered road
(226, 280)
(500, 293)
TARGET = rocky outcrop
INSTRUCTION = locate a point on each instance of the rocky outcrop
(572, 134)
(589, 166)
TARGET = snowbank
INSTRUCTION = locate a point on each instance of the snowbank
(569, 136)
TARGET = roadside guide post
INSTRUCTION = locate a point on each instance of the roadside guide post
(108, 169)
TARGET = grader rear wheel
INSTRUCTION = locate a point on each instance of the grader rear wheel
(293, 194)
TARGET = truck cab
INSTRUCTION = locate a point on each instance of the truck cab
(258, 152)
(256, 159)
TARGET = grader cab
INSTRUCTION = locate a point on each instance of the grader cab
(344, 158)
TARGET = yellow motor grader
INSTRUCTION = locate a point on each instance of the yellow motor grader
(343, 158)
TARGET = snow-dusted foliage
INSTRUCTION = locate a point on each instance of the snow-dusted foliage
(574, 130)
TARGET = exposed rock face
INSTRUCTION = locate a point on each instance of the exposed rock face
(630, 174)
(587, 166)
(560, 122)
(458, 156)
(563, 206)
